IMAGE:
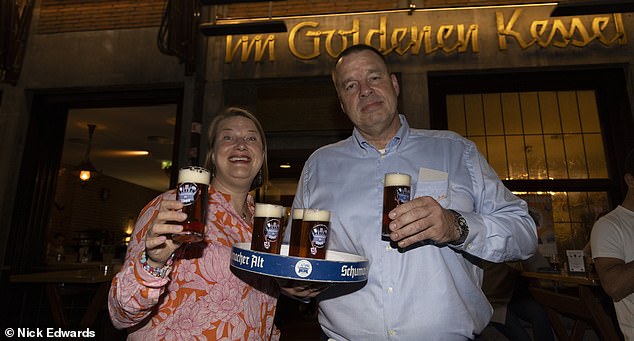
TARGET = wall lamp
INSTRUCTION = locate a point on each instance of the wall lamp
(584, 7)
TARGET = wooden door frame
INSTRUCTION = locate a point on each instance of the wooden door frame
(42, 153)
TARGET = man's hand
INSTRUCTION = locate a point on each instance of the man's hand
(422, 219)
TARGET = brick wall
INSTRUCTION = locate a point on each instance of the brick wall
(58, 16)
(301, 7)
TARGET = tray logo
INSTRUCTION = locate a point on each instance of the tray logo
(303, 268)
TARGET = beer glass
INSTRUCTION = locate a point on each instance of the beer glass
(396, 190)
(193, 192)
(267, 228)
(314, 236)
(296, 231)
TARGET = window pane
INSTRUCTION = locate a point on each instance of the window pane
(536, 157)
(497, 155)
(493, 114)
(550, 112)
(511, 112)
(595, 156)
(530, 113)
(516, 157)
(555, 157)
(475, 117)
(575, 155)
(588, 112)
(569, 114)
(455, 114)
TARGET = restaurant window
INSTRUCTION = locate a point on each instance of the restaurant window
(541, 135)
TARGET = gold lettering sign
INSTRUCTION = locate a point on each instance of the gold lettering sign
(309, 39)
(556, 33)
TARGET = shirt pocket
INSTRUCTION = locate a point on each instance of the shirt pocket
(437, 189)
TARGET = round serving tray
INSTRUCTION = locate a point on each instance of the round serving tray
(338, 267)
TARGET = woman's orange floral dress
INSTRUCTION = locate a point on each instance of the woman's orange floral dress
(201, 299)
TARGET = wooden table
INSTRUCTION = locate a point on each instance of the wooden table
(55, 281)
(553, 291)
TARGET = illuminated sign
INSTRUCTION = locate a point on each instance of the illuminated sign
(311, 39)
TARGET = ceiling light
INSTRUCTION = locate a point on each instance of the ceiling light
(285, 165)
(86, 169)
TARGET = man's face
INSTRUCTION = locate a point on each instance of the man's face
(367, 91)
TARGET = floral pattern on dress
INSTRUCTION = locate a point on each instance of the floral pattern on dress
(201, 299)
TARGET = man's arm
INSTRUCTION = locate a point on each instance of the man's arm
(617, 277)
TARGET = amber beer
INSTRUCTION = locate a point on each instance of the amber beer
(314, 236)
(396, 191)
(296, 231)
(193, 192)
(267, 228)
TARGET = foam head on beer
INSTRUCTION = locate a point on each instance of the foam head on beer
(268, 210)
(396, 179)
(298, 213)
(193, 174)
(316, 215)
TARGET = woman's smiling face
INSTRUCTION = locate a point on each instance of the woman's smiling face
(238, 152)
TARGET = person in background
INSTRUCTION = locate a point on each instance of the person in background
(425, 283)
(512, 301)
(166, 291)
(55, 249)
(612, 244)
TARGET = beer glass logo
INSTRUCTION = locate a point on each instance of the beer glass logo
(303, 268)
(271, 231)
(402, 195)
(318, 235)
(187, 193)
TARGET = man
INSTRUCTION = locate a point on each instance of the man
(425, 285)
(612, 244)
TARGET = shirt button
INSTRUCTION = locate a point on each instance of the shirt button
(392, 332)
(390, 290)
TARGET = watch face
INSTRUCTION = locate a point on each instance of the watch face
(461, 223)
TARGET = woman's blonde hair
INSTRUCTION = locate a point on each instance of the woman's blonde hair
(261, 179)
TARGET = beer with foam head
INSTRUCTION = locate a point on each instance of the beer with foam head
(268, 228)
(314, 236)
(296, 231)
(193, 192)
(396, 191)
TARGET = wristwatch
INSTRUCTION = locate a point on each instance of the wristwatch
(460, 224)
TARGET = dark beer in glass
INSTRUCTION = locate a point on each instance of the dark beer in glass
(314, 236)
(296, 231)
(267, 228)
(396, 191)
(193, 192)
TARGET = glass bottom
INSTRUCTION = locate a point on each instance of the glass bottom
(187, 237)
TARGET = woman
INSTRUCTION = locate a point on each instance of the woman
(167, 291)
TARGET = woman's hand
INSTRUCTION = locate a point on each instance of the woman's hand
(159, 245)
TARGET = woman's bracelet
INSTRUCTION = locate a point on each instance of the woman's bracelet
(159, 272)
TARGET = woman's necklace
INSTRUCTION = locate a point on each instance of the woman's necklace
(245, 210)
